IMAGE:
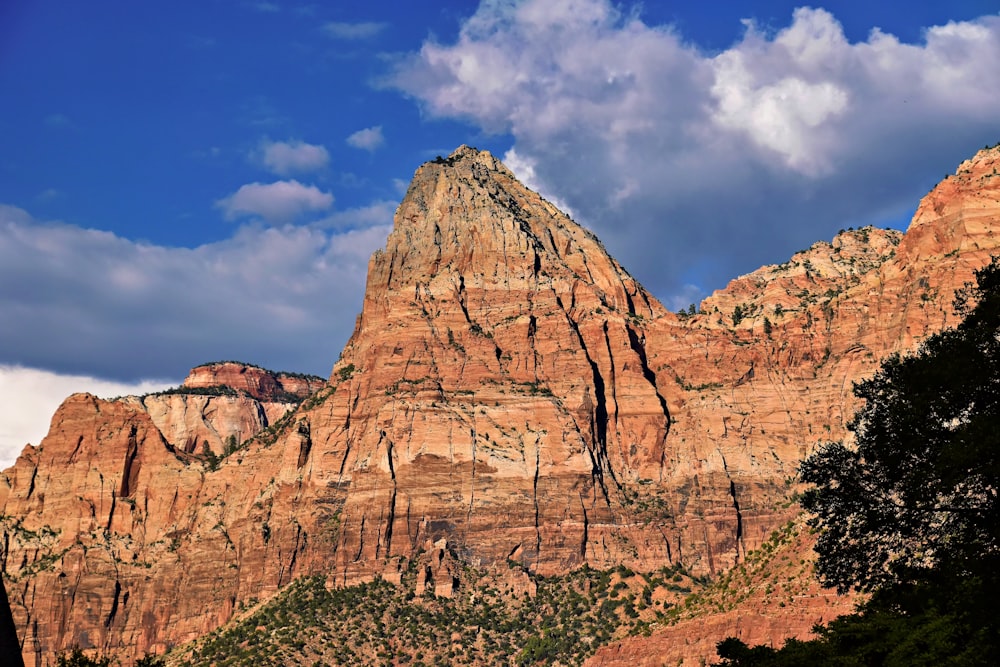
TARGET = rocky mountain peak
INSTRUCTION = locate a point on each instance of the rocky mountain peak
(490, 307)
(468, 225)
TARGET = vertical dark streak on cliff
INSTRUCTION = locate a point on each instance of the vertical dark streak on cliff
(305, 442)
(31, 485)
(261, 414)
(472, 491)
(628, 300)
(414, 535)
(391, 519)
(37, 643)
(640, 351)
(295, 552)
(76, 449)
(114, 605)
(290, 570)
(131, 469)
(598, 453)
(538, 465)
(361, 539)
(739, 518)
(461, 298)
(586, 529)
(111, 514)
(347, 440)
(614, 399)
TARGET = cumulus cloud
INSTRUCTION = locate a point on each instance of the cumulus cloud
(281, 201)
(286, 157)
(353, 31)
(368, 139)
(695, 167)
(87, 302)
(29, 397)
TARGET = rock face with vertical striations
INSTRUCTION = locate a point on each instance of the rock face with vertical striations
(500, 396)
(224, 403)
(509, 393)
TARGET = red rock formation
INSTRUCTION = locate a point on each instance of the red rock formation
(250, 400)
(260, 383)
(498, 376)
(509, 388)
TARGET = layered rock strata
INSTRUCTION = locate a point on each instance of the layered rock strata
(509, 391)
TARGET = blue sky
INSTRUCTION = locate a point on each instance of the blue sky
(188, 181)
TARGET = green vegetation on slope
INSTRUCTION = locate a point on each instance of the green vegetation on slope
(484, 623)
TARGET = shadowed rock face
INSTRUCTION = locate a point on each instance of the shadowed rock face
(509, 388)
(10, 646)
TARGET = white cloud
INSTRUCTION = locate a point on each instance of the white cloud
(29, 397)
(524, 169)
(696, 167)
(353, 31)
(286, 157)
(281, 201)
(783, 116)
(85, 302)
(368, 139)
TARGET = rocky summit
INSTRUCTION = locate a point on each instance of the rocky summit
(511, 400)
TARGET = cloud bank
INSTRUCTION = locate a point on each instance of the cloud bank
(688, 164)
(89, 302)
(29, 397)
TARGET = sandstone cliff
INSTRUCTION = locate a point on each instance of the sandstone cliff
(222, 404)
(508, 389)
(764, 400)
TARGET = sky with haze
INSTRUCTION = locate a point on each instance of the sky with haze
(183, 182)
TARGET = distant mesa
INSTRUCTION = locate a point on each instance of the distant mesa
(260, 383)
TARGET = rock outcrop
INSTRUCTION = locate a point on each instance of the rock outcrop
(500, 396)
(509, 391)
(259, 383)
(222, 404)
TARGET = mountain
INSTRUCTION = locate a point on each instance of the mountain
(512, 405)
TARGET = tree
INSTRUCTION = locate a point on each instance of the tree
(739, 312)
(77, 658)
(211, 458)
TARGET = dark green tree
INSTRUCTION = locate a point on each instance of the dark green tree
(77, 658)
